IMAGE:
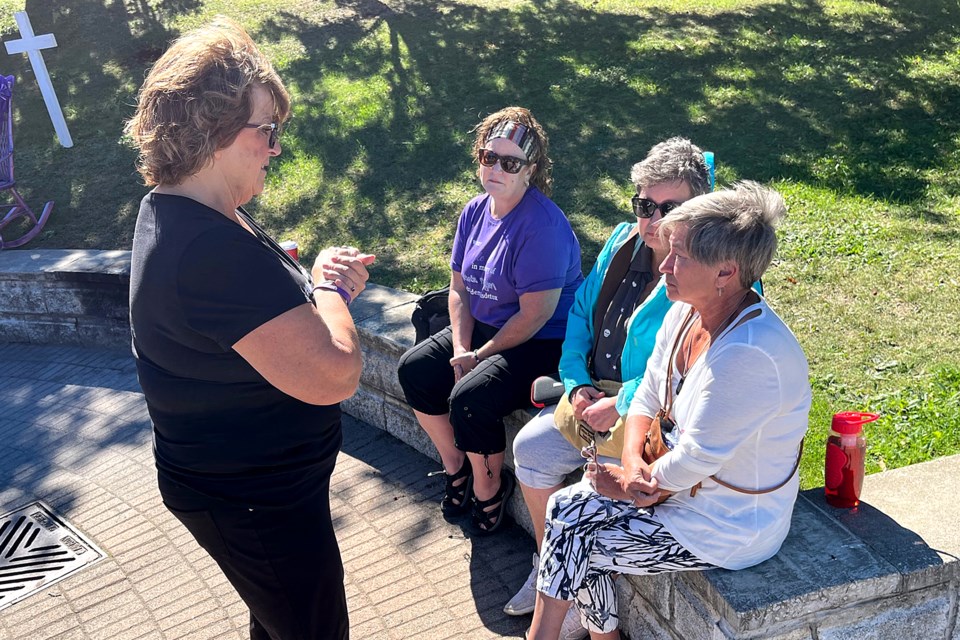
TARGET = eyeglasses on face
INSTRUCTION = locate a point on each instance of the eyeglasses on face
(510, 164)
(645, 207)
(274, 128)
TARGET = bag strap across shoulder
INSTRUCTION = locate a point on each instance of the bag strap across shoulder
(756, 492)
(616, 271)
(668, 405)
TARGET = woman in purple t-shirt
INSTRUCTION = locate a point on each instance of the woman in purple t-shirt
(514, 269)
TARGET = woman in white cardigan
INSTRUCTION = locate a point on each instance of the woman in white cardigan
(728, 384)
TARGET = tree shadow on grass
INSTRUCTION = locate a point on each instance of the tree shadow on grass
(386, 98)
(778, 92)
(104, 48)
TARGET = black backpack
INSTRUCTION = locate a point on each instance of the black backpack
(431, 314)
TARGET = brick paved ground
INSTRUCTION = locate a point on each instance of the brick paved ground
(74, 432)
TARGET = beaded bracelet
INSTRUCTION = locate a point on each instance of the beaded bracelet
(330, 285)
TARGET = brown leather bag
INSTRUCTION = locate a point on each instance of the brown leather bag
(653, 446)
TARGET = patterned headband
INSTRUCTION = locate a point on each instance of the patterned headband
(519, 134)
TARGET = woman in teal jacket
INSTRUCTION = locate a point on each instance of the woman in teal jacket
(642, 326)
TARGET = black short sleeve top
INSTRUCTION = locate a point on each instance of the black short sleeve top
(199, 283)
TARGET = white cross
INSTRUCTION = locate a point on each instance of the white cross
(31, 45)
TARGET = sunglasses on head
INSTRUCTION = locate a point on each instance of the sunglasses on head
(510, 164)
(274, 128)
(645, 207)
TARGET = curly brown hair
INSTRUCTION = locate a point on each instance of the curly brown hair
(196, 100)
(543, 165)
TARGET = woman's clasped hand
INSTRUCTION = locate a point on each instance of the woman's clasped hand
(344, 267)
(639, 488)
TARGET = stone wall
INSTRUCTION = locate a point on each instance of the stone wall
(65, 297)
(841, 574)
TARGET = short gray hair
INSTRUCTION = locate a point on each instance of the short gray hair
(737, 224)
(674, 159)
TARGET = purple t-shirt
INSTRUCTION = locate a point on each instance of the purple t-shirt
(531, 249)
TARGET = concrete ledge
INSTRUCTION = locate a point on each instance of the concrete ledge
(65, 297)
(841, 574)
(885, 570)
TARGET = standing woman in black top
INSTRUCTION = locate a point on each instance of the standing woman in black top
(242, 354)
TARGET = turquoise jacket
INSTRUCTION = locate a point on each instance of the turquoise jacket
(641, 328)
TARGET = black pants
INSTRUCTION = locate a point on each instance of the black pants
(284, 563)
(477, 403)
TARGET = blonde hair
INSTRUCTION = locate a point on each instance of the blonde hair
(542, 165)
(196, 100)
(737, 224)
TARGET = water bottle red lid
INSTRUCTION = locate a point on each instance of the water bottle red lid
(850, 422)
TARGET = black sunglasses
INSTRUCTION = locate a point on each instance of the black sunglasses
(275, 131)
(509, 164)
(645, 207)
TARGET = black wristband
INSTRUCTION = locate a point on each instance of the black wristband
(575, 389)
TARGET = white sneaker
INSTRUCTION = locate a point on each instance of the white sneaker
(525, 599)
(572, 628)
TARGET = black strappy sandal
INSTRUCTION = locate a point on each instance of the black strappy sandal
(456, 497)
(487, 522)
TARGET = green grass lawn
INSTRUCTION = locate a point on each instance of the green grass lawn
(850, 107)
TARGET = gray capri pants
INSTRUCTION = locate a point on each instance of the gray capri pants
(542, 457)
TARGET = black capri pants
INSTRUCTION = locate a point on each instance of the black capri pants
(294, 590)
(477, 403)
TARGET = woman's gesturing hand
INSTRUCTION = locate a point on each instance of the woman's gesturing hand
(344, 266)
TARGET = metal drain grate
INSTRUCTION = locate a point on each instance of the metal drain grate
(37, 549)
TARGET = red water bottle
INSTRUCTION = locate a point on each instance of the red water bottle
(290, 246)
(846, 449)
